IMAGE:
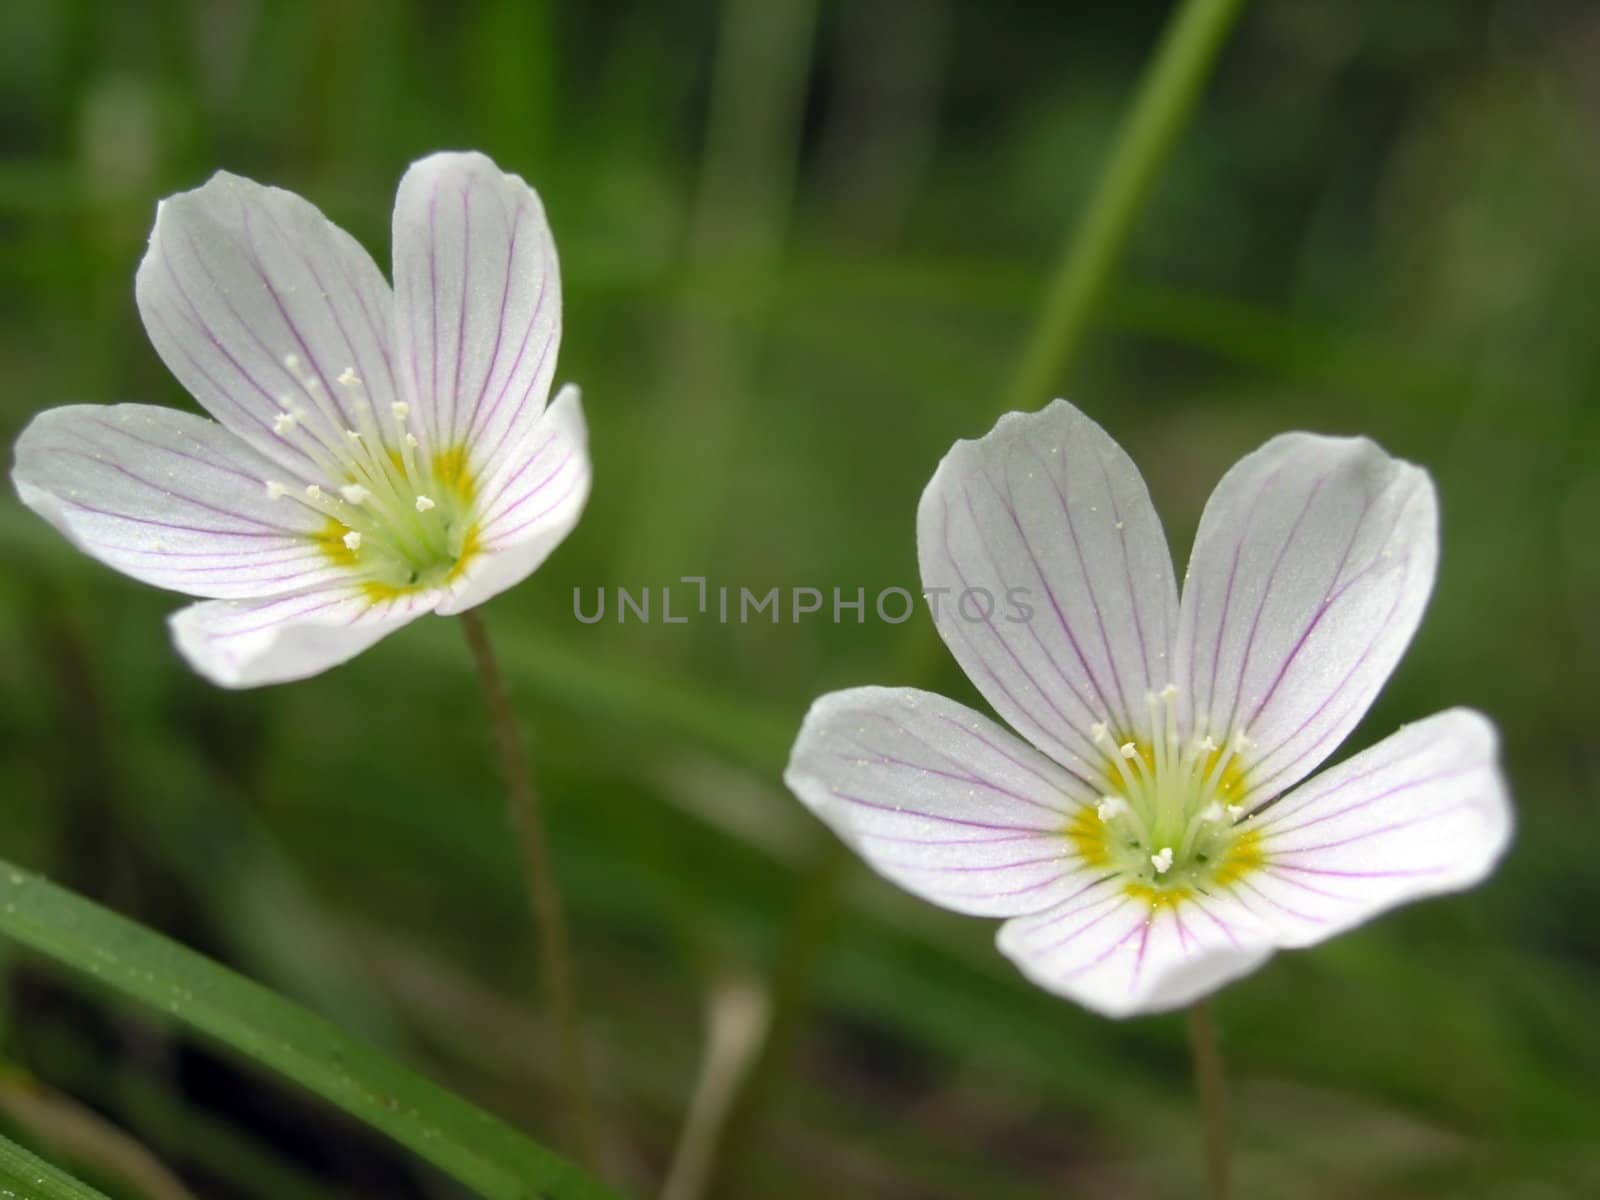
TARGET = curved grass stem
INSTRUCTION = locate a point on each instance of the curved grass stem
(544, 895)
(1167, 93)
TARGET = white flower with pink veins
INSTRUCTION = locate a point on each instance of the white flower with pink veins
(1152, 833)
(376, 455)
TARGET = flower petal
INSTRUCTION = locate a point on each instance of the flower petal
(238, 278)
(529, 504)
(240, 644)
(169, 498)
(1424, 811)
(1047, 511)
(1112, 950)
(1310, 571)
(478, 316)
(944, 802)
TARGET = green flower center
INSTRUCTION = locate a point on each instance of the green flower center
(400, 520)
(1171, 823)
(408, 528)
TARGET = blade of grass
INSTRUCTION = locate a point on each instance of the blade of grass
(26, 1175)
(83, 1137)
(183, 987)
(1167, 93)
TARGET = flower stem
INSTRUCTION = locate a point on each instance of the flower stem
(1213, 1091)
(544, 896)
(1167, 93)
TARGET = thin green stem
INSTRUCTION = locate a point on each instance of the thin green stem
(1167, 94)
(544, 895)
(1213, 1091)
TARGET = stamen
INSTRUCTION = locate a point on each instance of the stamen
(371, 479)
(408, 444)
(320, 401)
(1110, 808)
(1162, 861)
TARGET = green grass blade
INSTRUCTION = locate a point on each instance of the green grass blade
(28, 1177)
(183, 987)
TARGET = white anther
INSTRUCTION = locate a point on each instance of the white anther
(1170, 692)
(400, 409)
(1128, 750)
(1240, 742)
(1111, 808)
(1099, 732)
(1162, 861)
(1235, 811)
(1211, 812)
(353, 434)
(1208, 744)
(354, 493)
(313, 492)
(411, 440)
(353, 540)
(283, 422)
(423, 504)
(275, 489)
(349, 378)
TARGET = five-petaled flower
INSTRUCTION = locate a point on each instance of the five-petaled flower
(1152, 838)
(375, 455)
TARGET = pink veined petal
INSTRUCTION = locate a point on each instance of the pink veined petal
(944, 802)
(169, 498)
(240, 644)
(238, 278)
(478, 312)
(1046, 513)
(1310, 572)
(1424, 811)
(1112, 951)
(529, 504)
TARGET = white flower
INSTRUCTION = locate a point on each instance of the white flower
(375, 456)
(1151, 838)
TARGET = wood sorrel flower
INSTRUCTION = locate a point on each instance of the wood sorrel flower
(1151, 838)
(375, 456)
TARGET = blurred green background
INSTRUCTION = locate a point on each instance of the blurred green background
(803, 243)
